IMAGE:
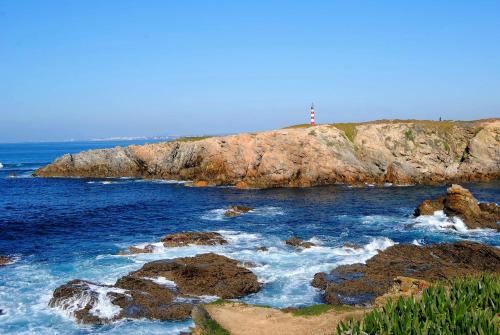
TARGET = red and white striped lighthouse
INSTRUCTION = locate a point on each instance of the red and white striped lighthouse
(312, 114)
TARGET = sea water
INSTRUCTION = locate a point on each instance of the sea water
(63, 229)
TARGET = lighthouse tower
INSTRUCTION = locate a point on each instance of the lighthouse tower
(312, 115)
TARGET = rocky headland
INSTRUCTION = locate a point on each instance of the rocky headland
(397, 152)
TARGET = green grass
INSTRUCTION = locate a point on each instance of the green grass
(213, 328)
(409, 135)
(349, 129)
(191, 139)
(315, 310)
(217, 302)
(299, 126)
(461, 306)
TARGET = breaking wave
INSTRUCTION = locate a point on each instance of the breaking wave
(267, 211)
(439, 221)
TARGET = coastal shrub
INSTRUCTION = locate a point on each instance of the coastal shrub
(191, 138)
(409, 135)
(462, 306)
(213, 328)
(349, 129)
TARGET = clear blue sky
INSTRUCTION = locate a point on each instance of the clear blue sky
(84, 69)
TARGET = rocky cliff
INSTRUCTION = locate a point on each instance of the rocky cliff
(399, 152)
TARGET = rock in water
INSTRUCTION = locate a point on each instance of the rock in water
(160, 290)
(397, 152)
(193, 238)
(148, 249)
(360, 284)
(205, 274)
(461, 203)
(4, 260)
(298, 243)
(236, 210)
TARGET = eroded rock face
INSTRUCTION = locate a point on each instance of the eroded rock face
(398, 152)
(298, 243)
(360, 284)
(236, 210)
(160, 290)
(4, 260)
(461, 203)
(193, 238)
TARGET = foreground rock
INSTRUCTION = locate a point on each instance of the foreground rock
(459, 202)
(160, 290)
(193, 238)
(206, 274)
(360, 284)
(397, 152)
(236, 210)
(298, 243)
(4, 260)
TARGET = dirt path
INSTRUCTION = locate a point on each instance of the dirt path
(241, 319)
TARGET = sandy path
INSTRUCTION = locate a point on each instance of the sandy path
(241, 319)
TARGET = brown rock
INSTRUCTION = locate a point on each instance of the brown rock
(402, 287)
(148, 249)
(199, 183)
(193, 238)
(236, 210)
(205, 274)
(361, 284)
(133, 299)
(297, 243)
(399, 152)
(262, 249)
(461, 203)
(4, 260)
(139, 295)
(428, 207)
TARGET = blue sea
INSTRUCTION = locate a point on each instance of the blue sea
(62, 229)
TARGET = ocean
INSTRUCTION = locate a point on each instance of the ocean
(62, 229)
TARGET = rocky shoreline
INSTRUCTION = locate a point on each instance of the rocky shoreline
(395, 152)
(179, 288)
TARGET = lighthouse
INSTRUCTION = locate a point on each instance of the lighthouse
(312, 114)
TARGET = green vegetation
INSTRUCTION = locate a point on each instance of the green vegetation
(299, 126)
(213, 328)
(409, 135)
(315, 310)
(217, 302)
(462, 306)
(312, 133)
(191, 139)
(349, 129)
(446, 147)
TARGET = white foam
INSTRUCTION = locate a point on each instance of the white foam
(205, 299)
(267, 211)
(163, 281)
(1, 166)
(418, 242)
(440, 221)
(161, 181)
(103, 307)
